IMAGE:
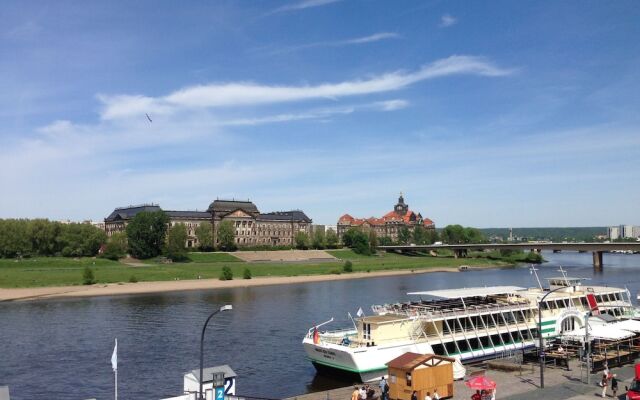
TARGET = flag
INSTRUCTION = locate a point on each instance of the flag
(316, 336)
(114, 357)
(360, 313)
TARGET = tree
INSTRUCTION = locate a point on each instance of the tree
(146, 233)
(204, 233)
(176, 241)
(385, 241)
(246, 274)
(318, 239)
(373, 241)
(331, 238)
(44, 234)
(404, 235)
(302, 241)
(348, 238)
(473, 235)
(419, 235)
(453, 234)
(227, 236)
(116, 247)
(14, 238)
(77, 240)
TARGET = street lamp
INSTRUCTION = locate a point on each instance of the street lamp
(223, 308)
(540, 332)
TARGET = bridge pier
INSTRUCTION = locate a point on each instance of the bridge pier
(597, 260)
(459, 253)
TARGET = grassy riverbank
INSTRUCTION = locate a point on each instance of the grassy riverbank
(60, 271)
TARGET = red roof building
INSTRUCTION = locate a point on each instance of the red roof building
(389, 224)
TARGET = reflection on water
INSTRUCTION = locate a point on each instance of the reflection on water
(62, 349)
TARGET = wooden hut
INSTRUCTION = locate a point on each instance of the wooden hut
(422, 373)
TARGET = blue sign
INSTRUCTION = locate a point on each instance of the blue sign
(219, 393)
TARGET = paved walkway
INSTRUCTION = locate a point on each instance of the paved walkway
(559, 384)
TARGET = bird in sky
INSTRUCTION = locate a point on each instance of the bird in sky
(148, 117)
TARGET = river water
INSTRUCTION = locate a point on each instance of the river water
(61, 349)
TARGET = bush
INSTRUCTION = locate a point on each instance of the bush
(226, 274)
(348, 266)
(247, 273)
(533, 257)
(335, 272)
(133, 279)
(87, 276)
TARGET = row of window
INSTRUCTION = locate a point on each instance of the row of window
(485, 342)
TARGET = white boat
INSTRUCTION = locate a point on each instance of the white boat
(470, 323)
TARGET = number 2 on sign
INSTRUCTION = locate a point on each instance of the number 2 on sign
(219, 393)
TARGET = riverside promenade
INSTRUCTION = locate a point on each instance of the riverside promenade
(559, 384)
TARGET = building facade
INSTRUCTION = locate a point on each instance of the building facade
(389, 225)
(118, 220)
(252, 228)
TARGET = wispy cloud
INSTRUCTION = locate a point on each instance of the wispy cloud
(247, 93)
(322, 113)
(447, 21)
(303, 5)
(376, 37)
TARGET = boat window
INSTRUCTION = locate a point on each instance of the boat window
(408, 377)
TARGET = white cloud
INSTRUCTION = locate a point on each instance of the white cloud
(248, 93)
(447, 21)
(304, 5)
(392, 105)
(376, 37)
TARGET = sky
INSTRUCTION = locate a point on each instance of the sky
(485, 114)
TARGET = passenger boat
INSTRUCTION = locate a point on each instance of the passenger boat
(467, 323)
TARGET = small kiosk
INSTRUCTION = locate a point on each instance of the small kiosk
(422, 373)
(223, 373)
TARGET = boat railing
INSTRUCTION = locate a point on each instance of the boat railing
(418, 311)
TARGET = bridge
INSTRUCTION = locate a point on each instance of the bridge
(460, 250)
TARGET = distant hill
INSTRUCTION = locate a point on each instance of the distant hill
(553, 234)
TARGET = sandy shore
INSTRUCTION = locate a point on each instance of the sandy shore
(25, 294)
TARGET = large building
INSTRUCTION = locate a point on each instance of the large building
(252, 228)
(256, 229)
(117, 221)
(388, 225)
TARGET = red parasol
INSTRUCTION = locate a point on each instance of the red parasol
(480, 383)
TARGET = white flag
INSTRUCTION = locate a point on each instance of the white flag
(114, 357)
(360, 313)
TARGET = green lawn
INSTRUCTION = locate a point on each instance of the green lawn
(59, 271)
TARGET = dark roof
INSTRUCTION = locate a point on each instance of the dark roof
(207, 373)
(227, 206)
(294, 215)
(130, 212)
(189, 214)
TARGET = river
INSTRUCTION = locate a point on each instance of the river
(61, 349)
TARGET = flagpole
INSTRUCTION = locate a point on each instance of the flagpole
(116, 372)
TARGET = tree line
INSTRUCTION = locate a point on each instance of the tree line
(41, 237)
(366, 241)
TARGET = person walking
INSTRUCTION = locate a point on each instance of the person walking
(476, 396)
(436, 396)
(382, 384)
(363, 393)
(428, 396)
(355, 395)
(614, 385)
(604, 384)
(414, 395)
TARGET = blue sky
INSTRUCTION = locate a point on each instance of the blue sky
(485, 114)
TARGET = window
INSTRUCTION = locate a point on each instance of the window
(408, 378)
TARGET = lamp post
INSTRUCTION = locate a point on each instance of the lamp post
(540, 332)
(223, 308)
